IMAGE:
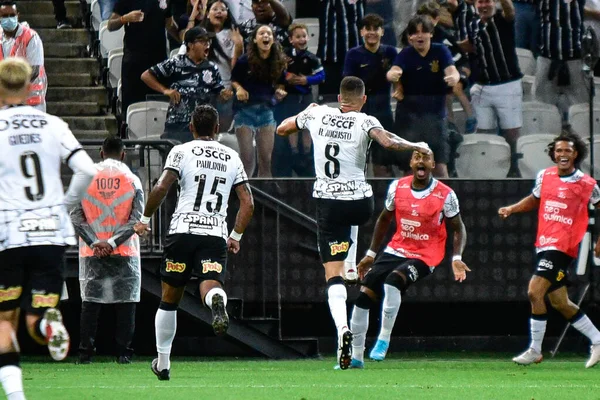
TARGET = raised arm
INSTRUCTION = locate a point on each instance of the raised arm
(243, 217)
(508, 9)
(390, 141)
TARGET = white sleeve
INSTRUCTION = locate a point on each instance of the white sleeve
(390, 203)
(175, 160)
(69, 145)
(240, 175)
(537, 188)
(368, 124)
(595, 198)
(84, 171)
(305, 117)
(451, 207)
(35, 51)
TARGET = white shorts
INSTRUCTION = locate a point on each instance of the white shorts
(503, 103)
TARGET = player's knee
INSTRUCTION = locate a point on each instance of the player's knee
(397, 280)
(364, 301)
(535, 296)
(165, 306)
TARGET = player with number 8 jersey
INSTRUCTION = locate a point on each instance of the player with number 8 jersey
(341, 138)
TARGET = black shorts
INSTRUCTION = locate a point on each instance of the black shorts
(554, 266)
(31, 277)
(412, 269)
(335, 219)
(188, 255)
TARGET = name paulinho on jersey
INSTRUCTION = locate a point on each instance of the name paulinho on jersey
(341, 142)
(32, 146)
(207, 172)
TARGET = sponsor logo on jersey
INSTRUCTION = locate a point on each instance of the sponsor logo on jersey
(545, 264)
(23, 123)
(44, 300)
(174, 266)
(335, 187)
(201, 221)
(552, 211)
(560, 276)
(25, 138)
(211, 152)
(413, 273)
(10, 293)
(211, 266)
(40, 227)
(337, 248)
(438, 195)
(408, 230)
(545, 241)
(339, 121)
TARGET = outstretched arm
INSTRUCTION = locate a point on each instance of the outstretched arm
(526, 204)
(460, 241)
(289, 125)
(390, 141)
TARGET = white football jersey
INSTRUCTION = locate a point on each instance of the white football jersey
(341, 141)
(32, 146)
(207, 172)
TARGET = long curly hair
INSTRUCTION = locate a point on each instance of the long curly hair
(578, 143)
(215, 47)
(266, 70)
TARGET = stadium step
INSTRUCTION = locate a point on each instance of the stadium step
(305, 345)
(66, 80)
(268, 326)
(82, 94)
(72, 65)
(54, 35)
(28, 8)
(90, 134)
(92, 123)
(75, 108)
(47, 20)
(65, 50)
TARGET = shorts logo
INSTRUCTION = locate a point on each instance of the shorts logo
(44, 300)
(545, 265)
(560, 276)
(337, 248)
(10, 293)
(175, 267)
(414, 273)
(208, 266)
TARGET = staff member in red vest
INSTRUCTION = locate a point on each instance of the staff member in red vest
(109, 249)
(19, 40)
(421, 205)
(561, 194)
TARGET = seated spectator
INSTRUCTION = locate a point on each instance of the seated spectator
(427, 73)
(497, 94)
(60, 14)
(259, 81)
(268, 12)
(224, 51)
(370, 62)
(304, 70)
(189, 80)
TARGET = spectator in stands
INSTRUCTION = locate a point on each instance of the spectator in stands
(338, 32)
(241, 10)
(145, 43)
(259, 81)
(497, 94)
(370, 62)
(267, 12)
(19, 40)
(109, 250)
(189, 80)
(527, 21)
(384, 9)
(427, 72)
(558, 77)
(304, 70)
(463, 12)
(106, 8)
(60, 14)
(592, 20)
(194, 15)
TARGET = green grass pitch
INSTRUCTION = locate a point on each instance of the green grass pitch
(439, 377)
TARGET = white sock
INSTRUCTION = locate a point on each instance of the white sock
(350, 262)
(43, 326)
(165, 325)
(538, 330)
(586, 326)
(12, 382)
(359, 324)
(336, 297)
(211, 293)
(389, 311)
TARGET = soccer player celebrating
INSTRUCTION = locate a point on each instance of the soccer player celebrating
(421, 205)
(197, 240)
(341, 138)
(562, 194)
(35, 228)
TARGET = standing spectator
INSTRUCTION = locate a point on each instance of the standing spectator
(109, 250)
(558, 77)
(463, 13)
(384, 9)
(592, 20)
(60, 14)
(338, 32)
(427, 73)
(258, 80)
(19, 40)
(267, 12)
(144, 45)
(370, 62)
(194, 15)
(527, 21)
(497, 94)
(194, 247)
(188, 80)
(304, 70)
(241, 10)
(106, 8)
